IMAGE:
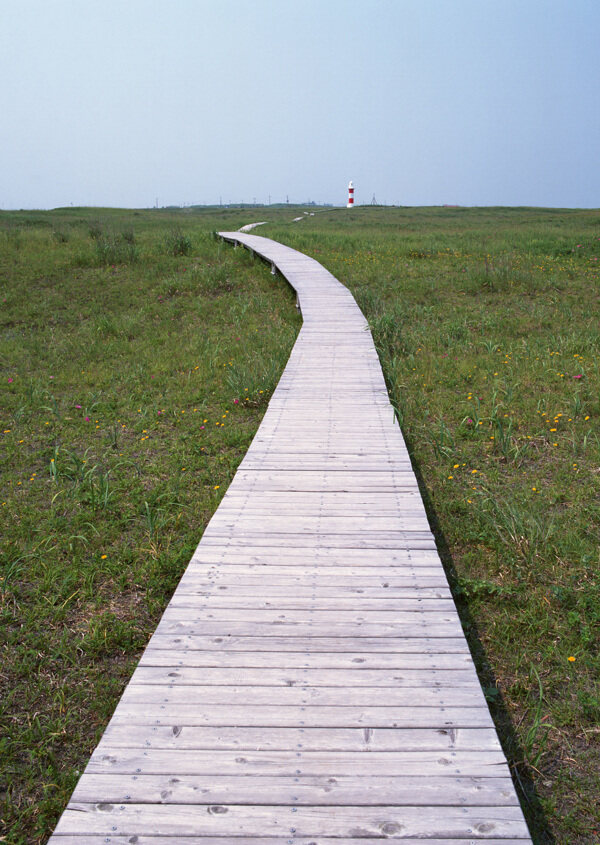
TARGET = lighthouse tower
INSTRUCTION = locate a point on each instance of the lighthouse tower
(350, 196)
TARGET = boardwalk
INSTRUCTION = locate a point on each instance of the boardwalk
(309, 681)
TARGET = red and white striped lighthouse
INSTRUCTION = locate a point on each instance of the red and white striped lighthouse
(350, 196)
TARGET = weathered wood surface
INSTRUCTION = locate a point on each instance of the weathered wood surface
(309, 681)
(176, 839)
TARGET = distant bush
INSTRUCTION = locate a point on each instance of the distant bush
(116, 249)
(96, 230)
(176, 243)
(14, 237)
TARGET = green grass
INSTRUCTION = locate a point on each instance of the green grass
(487, 322)
(126, 339)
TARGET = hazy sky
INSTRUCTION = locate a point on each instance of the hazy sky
(420, 102)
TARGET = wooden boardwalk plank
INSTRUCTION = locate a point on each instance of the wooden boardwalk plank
(309, 683)
(315, 715)
(178, 839)
(390, 822)
(171, 655)
(180, 676)
(387, 603)
(313, 645)
(309, 739)
(143, 695)
(311, 790)
(289, 763)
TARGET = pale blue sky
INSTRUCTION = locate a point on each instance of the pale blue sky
(420, 102)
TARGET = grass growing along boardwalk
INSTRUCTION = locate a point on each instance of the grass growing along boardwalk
(138, 356)
(487, 322)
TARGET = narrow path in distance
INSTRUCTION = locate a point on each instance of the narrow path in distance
(249, 226)
(310, 681)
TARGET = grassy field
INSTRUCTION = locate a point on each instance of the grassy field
(137, 358)
(127, 339)
(487, 322)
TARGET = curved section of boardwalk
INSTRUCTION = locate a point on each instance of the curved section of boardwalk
(309, 681)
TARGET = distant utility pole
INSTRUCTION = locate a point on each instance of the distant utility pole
(269, 199)
(287, 199)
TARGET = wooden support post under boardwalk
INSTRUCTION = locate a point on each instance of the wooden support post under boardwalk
(309, 681)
